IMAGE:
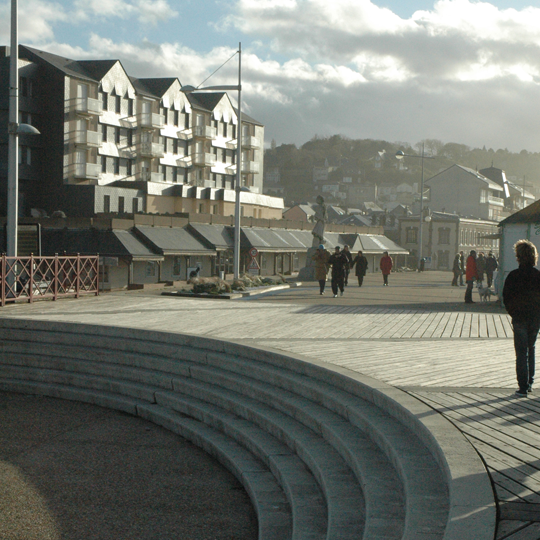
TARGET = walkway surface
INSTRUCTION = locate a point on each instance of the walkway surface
(416, 334)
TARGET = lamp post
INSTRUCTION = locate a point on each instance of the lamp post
(188, 90)
(400, 155)
(14, 130)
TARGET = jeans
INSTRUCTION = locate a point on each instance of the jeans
(385, 279)
(322, 283)
(360, 280)
(525, 333)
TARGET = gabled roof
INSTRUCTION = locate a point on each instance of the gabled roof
(480, 177)
(173, 241)
(205, 100)
(97, 68)
(141, 88)
(158, 87)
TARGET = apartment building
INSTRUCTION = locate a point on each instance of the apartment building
(114, 144)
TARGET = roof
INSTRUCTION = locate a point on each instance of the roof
(205, 100)
(173, 241)
(530, 214)
(490, 183)
(277, 240)
(134, 246)
(218, 237)
(158, 86)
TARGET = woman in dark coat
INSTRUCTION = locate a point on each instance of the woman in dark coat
(386, 267)
(456, 269)
(361, 266)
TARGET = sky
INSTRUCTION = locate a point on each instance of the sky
(460, 71)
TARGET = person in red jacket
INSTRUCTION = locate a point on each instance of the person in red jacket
(386, 267)
(471, 273)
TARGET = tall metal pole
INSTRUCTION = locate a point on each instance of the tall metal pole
(13, 141)
(237, 207)
(420, 236)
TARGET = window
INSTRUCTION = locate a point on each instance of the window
(107, 204)
(201, 208)
(483, 196)
(177, 266)
(117, 135)
(103, 274)
(214, 209)
(117, 104)
(175, 175)
(186, 122)
(130, 107)
(135, 204)
(116, 162)
(25, 155)
(103, 164)
(444, 235)
(104, 100)
(412, 235)
(129, 167)
(23, 84)
(176, 118)
(150, 269)
(103, 132)
(121, 205)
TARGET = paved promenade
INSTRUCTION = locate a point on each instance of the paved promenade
(416, 334)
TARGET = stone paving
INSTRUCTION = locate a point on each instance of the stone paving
(416, 334)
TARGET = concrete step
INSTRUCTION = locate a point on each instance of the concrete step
(349, 455)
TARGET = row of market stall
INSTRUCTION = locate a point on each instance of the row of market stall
(142, 255)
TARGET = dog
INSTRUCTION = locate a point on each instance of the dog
(484, 292)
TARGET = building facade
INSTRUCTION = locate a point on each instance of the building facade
(111, 143)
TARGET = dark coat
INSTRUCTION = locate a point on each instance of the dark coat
(491, 264)
(339, 262)
(521, 293)
(361, 265)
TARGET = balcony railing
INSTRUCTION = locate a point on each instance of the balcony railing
(496, 200)
(250, 142)
(204, 132)
(203, 159)
(30, 278)
(250, 167)
(151, 120)
(87, 170)
(88, 106)
(151, 149)
(147, 176)
(91, 139)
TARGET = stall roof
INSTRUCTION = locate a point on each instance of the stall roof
(219, 237)
(276, 240)
(135, 247)
(378, 243)
(174, 241)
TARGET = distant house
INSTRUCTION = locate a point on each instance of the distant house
(299, 212)
(466, 192)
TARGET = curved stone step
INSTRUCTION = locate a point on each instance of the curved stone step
(331, 404)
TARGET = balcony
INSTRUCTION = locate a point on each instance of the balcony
(497, 201)
(88, 107)
(250, 167)
(203, 160)
(152, 150)
(250, 142)
(151, 121)
(88, 139)
(184, 161)
(87, 170)
(147, 176)
(204, 132)
(185, 134)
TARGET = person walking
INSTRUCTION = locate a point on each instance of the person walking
(361, 267)
(462, 261)
(386, 267)
(521, 297)
(491, 266)
(456, 268)
(470, 275)
(338, 261)
(347, 254)
(321, 258)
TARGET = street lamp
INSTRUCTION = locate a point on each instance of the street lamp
(400, 155)
(14, 130)
(188, 90)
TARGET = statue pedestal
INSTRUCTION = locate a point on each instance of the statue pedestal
(308, 272)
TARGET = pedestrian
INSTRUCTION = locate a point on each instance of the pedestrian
(521, 296)
(456, 268)
(462, 261)
(386, 267)
(338, 261)
(491, 266)
(422, 264)
(470, 275)
(481, 267)
(347, 254)
(361, 267)
(320, 258)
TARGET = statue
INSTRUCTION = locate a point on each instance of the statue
(321, 217)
